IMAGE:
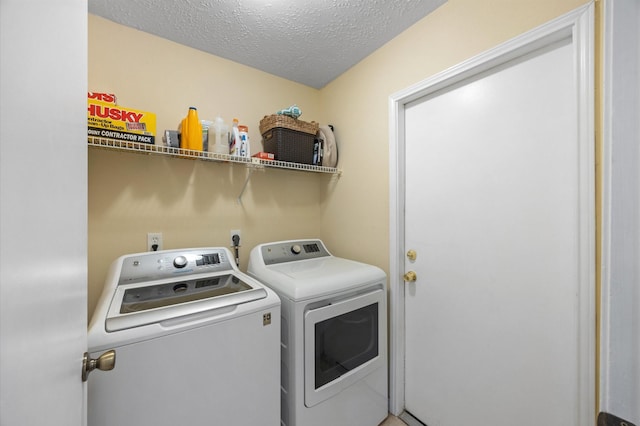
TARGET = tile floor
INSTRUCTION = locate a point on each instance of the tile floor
(393, 421)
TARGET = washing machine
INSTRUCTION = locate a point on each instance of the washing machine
(334, 333)
(197, 343)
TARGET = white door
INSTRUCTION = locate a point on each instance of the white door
(43, 209)
(498, 208)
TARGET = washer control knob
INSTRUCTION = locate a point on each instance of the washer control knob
(180, 262)
(296, 249)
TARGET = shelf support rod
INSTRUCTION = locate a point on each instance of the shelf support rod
(244, 187)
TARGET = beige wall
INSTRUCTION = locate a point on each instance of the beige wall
(195, 203)
(192, 203)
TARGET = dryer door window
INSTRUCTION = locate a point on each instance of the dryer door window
(344, 342)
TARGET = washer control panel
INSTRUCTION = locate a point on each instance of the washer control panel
(291, 251)
(170, 263)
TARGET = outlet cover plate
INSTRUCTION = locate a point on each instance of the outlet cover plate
(154, 238)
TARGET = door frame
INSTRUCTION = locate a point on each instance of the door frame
(619, 390)
(579, 26)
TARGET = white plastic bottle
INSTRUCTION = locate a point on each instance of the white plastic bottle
(245, 147)
(220, 143)
(234, 139)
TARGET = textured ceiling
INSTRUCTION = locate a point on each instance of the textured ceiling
(307, 41)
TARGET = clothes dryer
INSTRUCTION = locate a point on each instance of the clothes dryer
(197, 343)
(334, 333)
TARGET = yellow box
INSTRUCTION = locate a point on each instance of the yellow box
(109, 121)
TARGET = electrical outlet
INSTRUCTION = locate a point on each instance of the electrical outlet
(154, 241)
(231, 234)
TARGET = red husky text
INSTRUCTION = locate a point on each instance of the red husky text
(104, 111)
(104, 97)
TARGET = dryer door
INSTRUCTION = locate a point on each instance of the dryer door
(344, 342)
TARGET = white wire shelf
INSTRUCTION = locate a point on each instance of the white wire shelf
(144, 148)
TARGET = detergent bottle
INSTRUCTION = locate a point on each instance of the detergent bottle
(245, 147)
(234, 139)
(194, 130)
(221, 140)
(191, 131)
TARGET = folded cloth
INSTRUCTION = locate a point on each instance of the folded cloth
(329, 146)
(293, 111)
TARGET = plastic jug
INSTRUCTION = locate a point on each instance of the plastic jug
(221, 139)
(191, 131)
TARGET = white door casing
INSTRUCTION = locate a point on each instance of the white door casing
(576, 29)
(619, 319)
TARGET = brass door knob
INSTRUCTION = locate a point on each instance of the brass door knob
(105, 362)
(411, 255)
(410, 276)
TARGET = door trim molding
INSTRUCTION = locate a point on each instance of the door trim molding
(619, 388)
(578, 27)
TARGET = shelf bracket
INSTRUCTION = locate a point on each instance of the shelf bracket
(244, 187)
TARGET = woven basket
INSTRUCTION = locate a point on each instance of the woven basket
(271, 121)
(289, 145)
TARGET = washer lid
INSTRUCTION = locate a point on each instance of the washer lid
(139, 304)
